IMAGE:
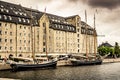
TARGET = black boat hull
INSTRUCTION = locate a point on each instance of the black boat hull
(82, 63)
(16, 67)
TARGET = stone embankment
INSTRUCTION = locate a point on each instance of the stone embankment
(111, 60)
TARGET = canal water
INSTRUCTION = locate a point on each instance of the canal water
(97, 72)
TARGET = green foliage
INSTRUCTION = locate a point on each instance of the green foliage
(105, 50)
(117, 50)
(114, 52)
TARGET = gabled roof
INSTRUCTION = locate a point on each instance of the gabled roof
(106, 44)
(71, 16)
(35, 14)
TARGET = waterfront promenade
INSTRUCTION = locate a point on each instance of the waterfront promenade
(107, 60)
(111, 60)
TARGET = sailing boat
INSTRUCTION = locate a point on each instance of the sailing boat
(36, 63)
(88, 61)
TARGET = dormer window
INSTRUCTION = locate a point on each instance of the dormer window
(1, 10)
(10, 17)
(24, 20)
(11, 8)
(62, 27)
(19, 9)
(73, 29)
(25, 14)
(28, 20)
(2, 6)
(19, 19)
(16, 12)
(20, 13)
(7, 10)
(70, 28)
(5, 17)
(56, 25)
(0, 17)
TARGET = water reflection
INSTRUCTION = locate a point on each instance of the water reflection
(97, 72)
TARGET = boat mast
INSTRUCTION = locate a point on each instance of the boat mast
(94, 37)
(31, 25)
(86, 33)
(45, 36)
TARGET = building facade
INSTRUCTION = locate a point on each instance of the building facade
(24, 31)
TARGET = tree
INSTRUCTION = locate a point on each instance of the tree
(105, 50)
(116, 50)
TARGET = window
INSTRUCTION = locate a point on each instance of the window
(5, 48)
(77, 35)
(29, 41)
(5, 24)
(11, 33)
(20, 41)
(0, 40)
(24, 20)
(0, 24)
(20, 27)
(43, 43)
(0, 16)
(28, 21)
(78, 50)
(5, 32)
(24, 41)
(43, 49)
(5, 40)
(10, 25)
(44, 24)
(10, 48)
(44, 30)
(10, 40)
(19, 19)
(10, 17)
(78, 40)
(78, 45)
(5, 17)
(78, 30)
(0, 47)
(20, 34)
(20, 48)
(0, 32)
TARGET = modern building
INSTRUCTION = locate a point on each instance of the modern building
(24, 31)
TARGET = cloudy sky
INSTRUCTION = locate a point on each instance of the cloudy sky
(107, 13)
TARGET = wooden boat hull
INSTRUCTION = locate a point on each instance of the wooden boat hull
(82, 63)
(16, 67)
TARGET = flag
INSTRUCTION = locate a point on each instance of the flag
(85, 16)
(45, 10)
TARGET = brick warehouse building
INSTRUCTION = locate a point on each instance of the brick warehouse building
(24, 30)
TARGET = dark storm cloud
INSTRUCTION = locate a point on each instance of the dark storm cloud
(110, 4)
